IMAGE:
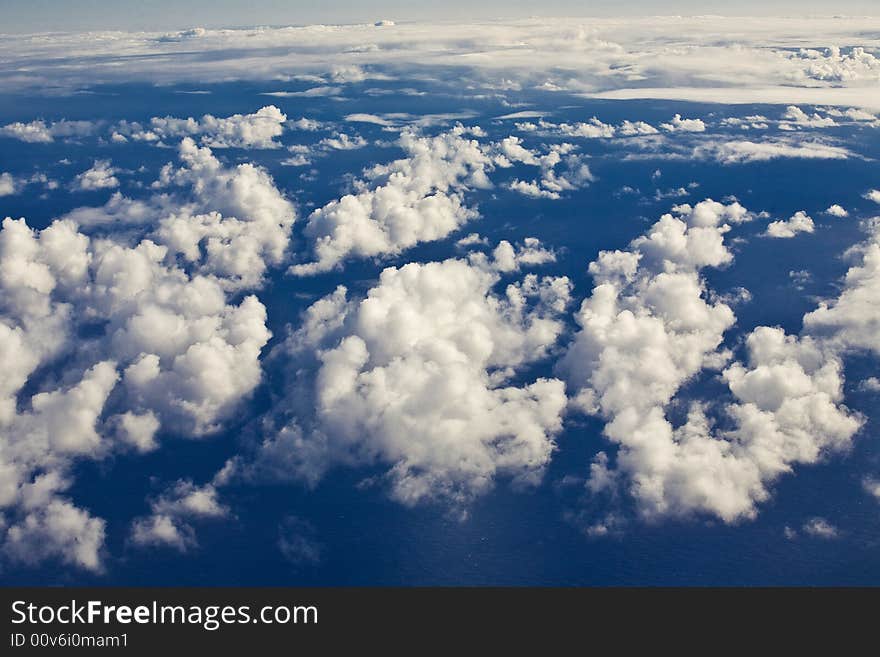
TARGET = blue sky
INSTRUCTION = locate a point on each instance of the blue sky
(531, 302)
(48, 15)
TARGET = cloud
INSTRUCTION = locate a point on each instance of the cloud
(837, 211)
(753, 60)
(820, 528)
(799, 222)
(795, 118)
(848, 322)
(592, 129)
(297, 542)
(342, 142)
(368, 118)
(871, 384)
(561, 169)
(172, 514)
(752, 122)
(8, 185)
(313, 92)
(744, 151)
(256, 130)
(418, 376)
(649, 327)
(678, 124)
(306, 124)
(101, 176)
(58, 530)
(411, 200)
(238, 225)
(39, 132)
(172, 342)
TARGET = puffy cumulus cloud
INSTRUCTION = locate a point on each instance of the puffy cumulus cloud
(418, 376)
(678, 124)
(508, 258)
(414, 199)
(305, 123)
(795, 118)
(591, 129)
(873, 195)
(649, 327)
(237, 224)
(832, 65)
(171, 344)
(853, 114)
(8, 184)
(36, 448)
(849, 322)
(340, 141)
(837, 211)
(256, 130)
(799, 222)
(176, 353)
(871, 384)
(228, 223)
(101, 176)
(561, 169)
(751, 122)
(58, 530)
(39, 132)
(172, 514)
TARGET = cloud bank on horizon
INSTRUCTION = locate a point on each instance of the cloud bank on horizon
(735, 59)
(435, 351)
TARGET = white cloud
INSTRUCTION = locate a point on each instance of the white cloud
(799, 222)
(58, 530)
(591, 129)
(744, 60)
(678, 124)
(178, 350)
(8, 185)
(360, 117)
(101, 176)
(342, 142)
(472, 239)
(871, 384)
(239, 224)
(648, 328)
(417, 376)
(872, 487)
(561, 169)
(39, 132)
(256, 130)
(820, 528)
(837, 211)
(795, 118)
(849, 321)
(172, 514)
(751, 122)
(873, 195)
(744, 151)
(306, 124)
(411, 200)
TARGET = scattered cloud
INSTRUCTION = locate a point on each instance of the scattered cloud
(799, 222)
